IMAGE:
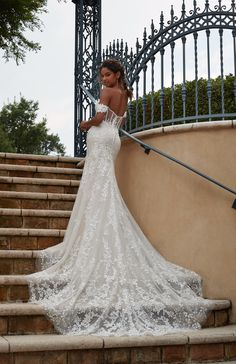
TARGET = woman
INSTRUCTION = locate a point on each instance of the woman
(105, 278)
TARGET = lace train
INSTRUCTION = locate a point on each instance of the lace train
(106, 278)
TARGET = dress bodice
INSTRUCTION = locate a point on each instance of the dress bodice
(104, 139)
(110, 116)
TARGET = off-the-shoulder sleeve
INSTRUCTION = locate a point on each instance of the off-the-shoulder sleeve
(101, 107)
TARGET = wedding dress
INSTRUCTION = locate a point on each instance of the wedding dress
(106, 278)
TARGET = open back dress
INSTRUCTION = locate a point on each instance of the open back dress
(106, 278)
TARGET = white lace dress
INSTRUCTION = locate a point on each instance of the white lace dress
(106, 278)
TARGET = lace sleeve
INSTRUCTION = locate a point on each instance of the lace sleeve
(101, 107)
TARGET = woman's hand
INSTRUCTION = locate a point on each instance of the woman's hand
(84, 126)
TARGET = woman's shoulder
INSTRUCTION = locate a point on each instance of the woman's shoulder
(111, 91)
(109, 94)
(119, 94)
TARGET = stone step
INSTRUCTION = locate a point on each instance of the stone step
(29, 239)
(27, 318)
(40, 160)
(18, 261)
(214, 345)
(80, 164)
(23, 318)
(34, 200)
(35, 219)
(13, 170)
(15, 289)
(38, 185)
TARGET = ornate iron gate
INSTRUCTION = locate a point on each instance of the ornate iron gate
(87, 57)
(150, 108)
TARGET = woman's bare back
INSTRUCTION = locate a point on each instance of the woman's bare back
(117, 99)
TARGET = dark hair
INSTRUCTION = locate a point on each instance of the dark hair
(115, 66)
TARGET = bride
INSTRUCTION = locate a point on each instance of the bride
(106, 278)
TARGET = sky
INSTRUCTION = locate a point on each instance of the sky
(48, 76)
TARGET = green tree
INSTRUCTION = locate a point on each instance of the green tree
(23, 134)
(5, 144)
(229, 101)
(16, 17)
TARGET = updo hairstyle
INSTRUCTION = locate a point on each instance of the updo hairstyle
(115, 66)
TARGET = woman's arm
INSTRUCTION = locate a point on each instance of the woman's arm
(105, 97)
(95, 121)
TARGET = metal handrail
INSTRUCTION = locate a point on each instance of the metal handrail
(148, 148)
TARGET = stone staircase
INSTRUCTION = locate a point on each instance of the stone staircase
(36, 197)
